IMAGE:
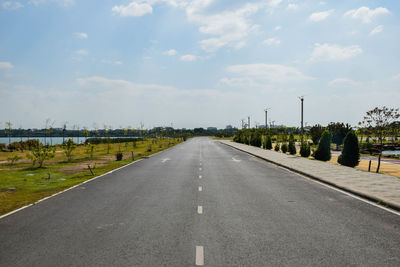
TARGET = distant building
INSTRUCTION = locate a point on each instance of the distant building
(228, 127)
(212, 129)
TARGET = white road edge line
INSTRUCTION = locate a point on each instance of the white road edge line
(200, 176)
(200, 209)
(92, 179)
(342, 191)
(199, 255)
(200, 188)
(200, 169)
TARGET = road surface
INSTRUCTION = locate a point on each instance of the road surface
(201, 203)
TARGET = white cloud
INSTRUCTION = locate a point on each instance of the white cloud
(292, 6)
(319, 16)
(171, 52)
(272, 41)
(81, 35)
(227, 28)
(365, 13)
(4, 65)
(396, 77)
(328, 52)
(64, 3)
(376, 30)
(270, 72)
(274, 3)
(133, 9)
(12, 5)
(82, 52)
(188, 58)
(277, 28)
(344, 82)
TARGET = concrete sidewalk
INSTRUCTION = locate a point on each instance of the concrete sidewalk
(373, 186)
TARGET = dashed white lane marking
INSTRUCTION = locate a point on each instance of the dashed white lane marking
(165, 160)
(200, 176)
(200, 209)
(199, 255)
(200, 169)
(200, 188)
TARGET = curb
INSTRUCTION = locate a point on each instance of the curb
(376, 200)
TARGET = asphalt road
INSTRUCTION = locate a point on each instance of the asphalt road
(201, 202)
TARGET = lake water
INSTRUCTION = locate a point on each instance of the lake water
(393, 152)
(53, 140)
(50, 141)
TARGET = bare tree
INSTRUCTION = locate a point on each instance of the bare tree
(64, 129)
(8, 129)
(48, 126)
(379, 121)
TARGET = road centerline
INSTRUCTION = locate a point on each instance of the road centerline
(199, 255)
(200, 209)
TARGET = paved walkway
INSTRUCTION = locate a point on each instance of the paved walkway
(378, 187)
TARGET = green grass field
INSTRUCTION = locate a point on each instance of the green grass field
(22, 184)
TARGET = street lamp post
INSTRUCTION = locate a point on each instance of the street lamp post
(248, 118)
(302, 128)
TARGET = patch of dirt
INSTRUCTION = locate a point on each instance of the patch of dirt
(83, 166)
(4, 195)
(386, 168)
(11, 168)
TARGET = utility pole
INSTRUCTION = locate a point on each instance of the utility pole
(302, 128)
(266, 117)
(266, 126)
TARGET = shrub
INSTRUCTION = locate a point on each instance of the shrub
(284, 147)
(13, 159)
(3, 146)
(41, 153)
(14, 146)
(255, 139)
(268, 142)
(316, 133)
(277, 147)
(323, 151)
(68, 147)
(305, 149)
(292, 145)
(351, 152)
(119, 156)
(90, 151)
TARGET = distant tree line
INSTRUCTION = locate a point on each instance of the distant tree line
(107, 132)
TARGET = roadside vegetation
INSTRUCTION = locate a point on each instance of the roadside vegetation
(34, 171)
(377, 132)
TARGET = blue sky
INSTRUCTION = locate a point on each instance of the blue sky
(196, 63)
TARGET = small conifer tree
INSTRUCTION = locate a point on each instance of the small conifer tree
(268, 143)
(305, 149)
(351, 152)
(292, 145)
(323, 151)
(284, 147)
